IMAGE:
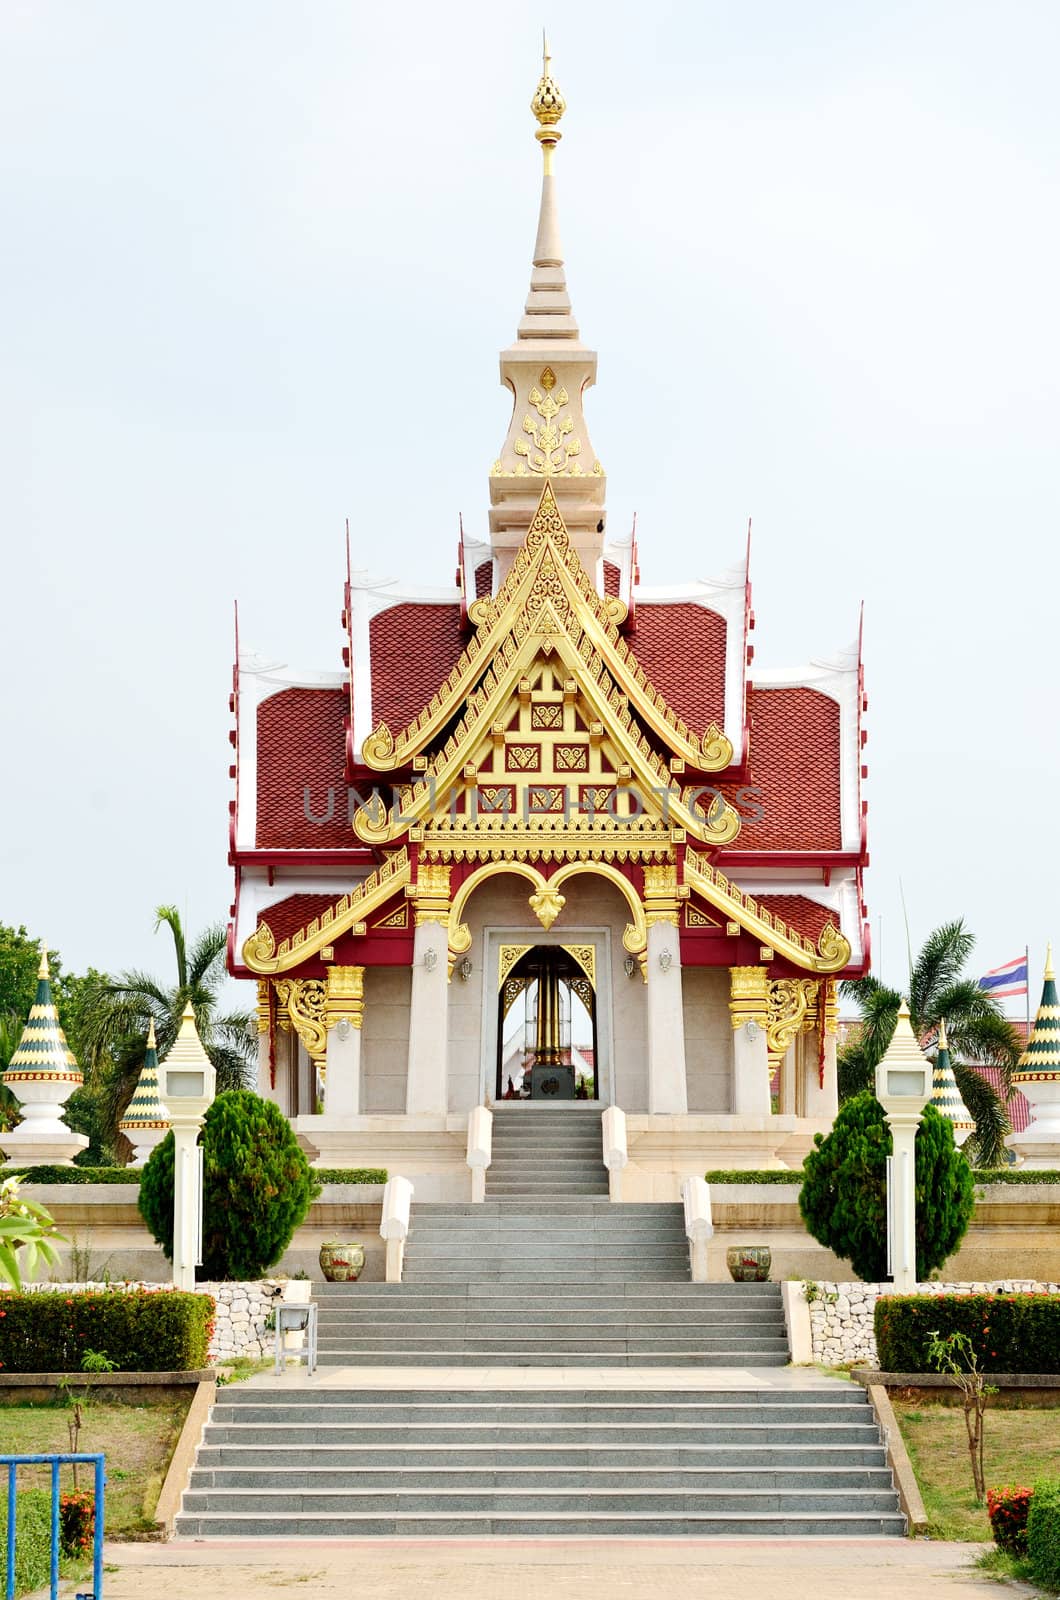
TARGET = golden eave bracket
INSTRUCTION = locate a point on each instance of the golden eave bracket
(262, 954)
(831, 954)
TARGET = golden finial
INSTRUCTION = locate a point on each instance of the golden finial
(44, 971)
(943, 1041)
(548, 105)
(1049, 973)
(152, 1043)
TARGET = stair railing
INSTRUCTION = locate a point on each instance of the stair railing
(699, 1224)
(479, 1149)
(394, 1225)
(616, 1154)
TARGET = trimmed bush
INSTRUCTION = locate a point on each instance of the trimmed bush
(1009, 1332)
(843, 1198)
(1043, 1533)
(141, 1330)
(80, 1175)
(1011, 1175)
(257, 1188)
(350, 1174)
(33, 1538)
(794, 1176)
(1007, 1508)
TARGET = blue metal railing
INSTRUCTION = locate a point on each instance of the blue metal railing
(12, 1463)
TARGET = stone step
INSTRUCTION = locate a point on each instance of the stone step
(475, 1480)
(729, 1461)
(478, 1316)
(414, 1501)
(488, 1358)
(517, 1343)
(768, 1436)
(510, 1413)
(685, 1293)
(648, 1404)
(488, 1524)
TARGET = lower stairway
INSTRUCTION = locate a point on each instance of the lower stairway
(351, 1462)
(656, 1405)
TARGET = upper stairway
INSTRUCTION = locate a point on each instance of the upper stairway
(543, 1151)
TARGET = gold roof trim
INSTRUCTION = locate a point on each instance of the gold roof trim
(261, 952)
(501, 624)
(832, 952)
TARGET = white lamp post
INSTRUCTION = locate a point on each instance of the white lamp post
(189, 1081)
(903, 1088)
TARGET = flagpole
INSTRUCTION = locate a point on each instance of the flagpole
(1027, 996)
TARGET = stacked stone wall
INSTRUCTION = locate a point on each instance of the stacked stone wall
(842, 1314)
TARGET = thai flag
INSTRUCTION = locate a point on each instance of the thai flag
(1009, 979)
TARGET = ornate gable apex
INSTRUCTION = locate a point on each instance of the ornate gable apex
(546, 586)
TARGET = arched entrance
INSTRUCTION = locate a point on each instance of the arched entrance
(546, 1024)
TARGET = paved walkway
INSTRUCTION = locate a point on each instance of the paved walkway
(576, 1569)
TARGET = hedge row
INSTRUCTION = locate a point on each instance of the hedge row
(1009, 1332)
(792, 1176)
(357, 1175)
(142, 1330)
(979, 1174)
(1043, 1533)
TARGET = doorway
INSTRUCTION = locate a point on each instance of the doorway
(547, 1045)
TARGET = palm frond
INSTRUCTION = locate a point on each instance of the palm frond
(855, 1070)
(233, 1070)
(879, 1014)
(171, 917)
(206, 961)
(939, 964)
(986, 1147)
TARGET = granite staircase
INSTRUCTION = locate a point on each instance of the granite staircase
(543, 1152)
(351, 1462)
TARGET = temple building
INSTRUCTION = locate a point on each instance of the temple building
(546, 837)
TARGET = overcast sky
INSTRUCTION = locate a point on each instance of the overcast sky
(258, 259)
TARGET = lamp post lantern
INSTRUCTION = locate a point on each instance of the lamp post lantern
(189, 1081)
(903, 1088)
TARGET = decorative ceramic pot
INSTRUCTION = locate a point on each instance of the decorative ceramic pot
(341, 1263)
(749, 1263)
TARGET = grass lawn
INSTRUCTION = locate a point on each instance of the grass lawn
(137, 1441)
(1021, 1445)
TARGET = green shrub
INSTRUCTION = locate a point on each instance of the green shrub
(257, 1188)
(33, 1538)
(843, 1197)
(81, 1175)
(1043, 1533)
(1008, 1508)
(141, 1330)
(765, 1176)
(350, 1174)
(1009, 1332)
(1012, 1175)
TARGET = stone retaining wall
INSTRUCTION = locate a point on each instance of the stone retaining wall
(239, 1319)
(842, 1314)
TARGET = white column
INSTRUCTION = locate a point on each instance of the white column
(667, 1082)
(749, 1009)
(428, 1077)
(903, 1202)
(345, 1011)
(185, 1204)
(822, 1099)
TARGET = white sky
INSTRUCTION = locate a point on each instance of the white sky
(258, 259)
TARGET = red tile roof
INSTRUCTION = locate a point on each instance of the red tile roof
(413, 648)
(1017, 1109)
(612, 578)
(287, 916)
(302, 769)
(794, 764)
(806, 916)
(681, 647)
(483, 579)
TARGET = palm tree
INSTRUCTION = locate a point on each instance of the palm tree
(114, 1013)
(11, 1028)
(977, 1029)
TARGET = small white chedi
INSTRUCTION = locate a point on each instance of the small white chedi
(42, 1075)
(146, 1121)
(1038, 1076)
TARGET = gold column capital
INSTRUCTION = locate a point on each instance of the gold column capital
(661, 895)
(264, 1005)
(345, 995)
(748, 996)
(830, 1008)
(430, 894)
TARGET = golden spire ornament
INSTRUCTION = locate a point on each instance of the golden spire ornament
(548, 106)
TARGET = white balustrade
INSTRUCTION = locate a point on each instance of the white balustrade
(394, 1225)
(699, 1224)
(616, 1154)
(479, 1149)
